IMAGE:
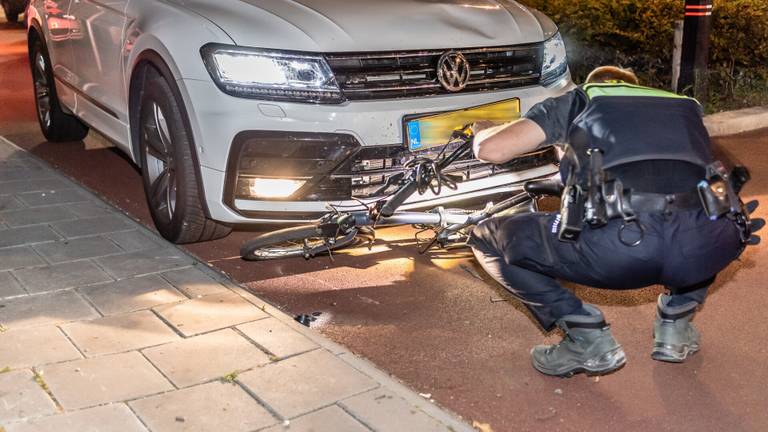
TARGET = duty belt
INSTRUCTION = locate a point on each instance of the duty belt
(646, 202)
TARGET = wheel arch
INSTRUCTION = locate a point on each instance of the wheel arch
(137, 77)
(34, 31)
(150, 58)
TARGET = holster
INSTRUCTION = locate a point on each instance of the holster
(595, 206)
(602, 201)
(571, 213)
(719, 196)
(716, 193)
(618, 201)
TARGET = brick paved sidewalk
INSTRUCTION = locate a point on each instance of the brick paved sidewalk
(104, 326)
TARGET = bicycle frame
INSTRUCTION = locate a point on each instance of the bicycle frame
(447, 223)
(339, 228)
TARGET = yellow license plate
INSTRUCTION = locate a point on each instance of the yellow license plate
(431, 130)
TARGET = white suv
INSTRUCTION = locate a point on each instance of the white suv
(251, 111)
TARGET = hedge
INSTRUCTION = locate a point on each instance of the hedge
(639, 34)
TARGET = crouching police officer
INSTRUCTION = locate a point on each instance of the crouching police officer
(644, 203)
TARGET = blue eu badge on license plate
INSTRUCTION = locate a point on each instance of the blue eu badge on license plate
(414, 135)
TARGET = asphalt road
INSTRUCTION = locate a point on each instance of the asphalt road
(435, 323)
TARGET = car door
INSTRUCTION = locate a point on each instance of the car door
(101, 100)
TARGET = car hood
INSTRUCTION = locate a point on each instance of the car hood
(373, 25)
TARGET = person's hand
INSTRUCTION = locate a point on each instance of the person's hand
(482, 125)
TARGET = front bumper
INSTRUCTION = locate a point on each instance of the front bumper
(336, 171)
(217, 119)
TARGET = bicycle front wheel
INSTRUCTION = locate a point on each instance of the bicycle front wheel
(301, 241)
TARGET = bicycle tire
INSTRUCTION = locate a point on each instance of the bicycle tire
(267, 246)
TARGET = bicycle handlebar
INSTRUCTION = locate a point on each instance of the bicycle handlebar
(399, 198)
(412, 184)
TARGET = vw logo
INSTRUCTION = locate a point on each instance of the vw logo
(453, 71)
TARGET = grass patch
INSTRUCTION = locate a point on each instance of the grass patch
(40, 381)
(44, 385)
(230, 377)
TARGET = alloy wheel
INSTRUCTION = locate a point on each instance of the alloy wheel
(42, 90)
(161, 168)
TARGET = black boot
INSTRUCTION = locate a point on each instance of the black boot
(674, 337)
(588, 346)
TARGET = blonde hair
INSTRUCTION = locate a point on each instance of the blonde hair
(607, 74)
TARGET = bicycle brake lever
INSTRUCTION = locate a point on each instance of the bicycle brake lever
(465, 132)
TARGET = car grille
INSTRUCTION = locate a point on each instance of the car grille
(366, 76)
(369, 169)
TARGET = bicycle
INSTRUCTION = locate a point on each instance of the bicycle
(339, 229)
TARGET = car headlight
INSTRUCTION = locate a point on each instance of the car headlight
(555, 60)
(270, 74)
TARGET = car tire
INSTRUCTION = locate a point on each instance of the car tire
(56, 125)
(168, 166)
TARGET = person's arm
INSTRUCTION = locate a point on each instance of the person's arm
(545, 123)
(502, 143)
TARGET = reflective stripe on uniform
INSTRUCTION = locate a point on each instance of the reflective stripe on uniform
(624, 89)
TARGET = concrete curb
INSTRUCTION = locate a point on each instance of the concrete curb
(736, 122)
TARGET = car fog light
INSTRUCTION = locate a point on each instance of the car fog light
(272, 188)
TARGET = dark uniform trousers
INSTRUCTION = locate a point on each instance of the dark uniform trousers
(682, 250)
